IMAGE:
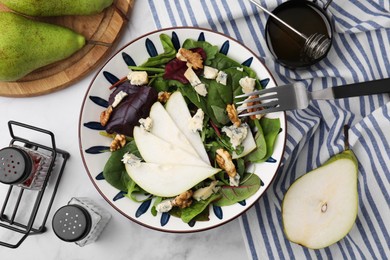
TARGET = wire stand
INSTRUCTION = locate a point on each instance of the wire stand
(26, 227)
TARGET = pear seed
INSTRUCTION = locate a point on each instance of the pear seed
(324, 207)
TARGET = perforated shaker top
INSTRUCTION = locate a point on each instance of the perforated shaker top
(15, 165)
(71, 223)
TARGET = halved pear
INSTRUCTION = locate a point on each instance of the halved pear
(177, 108)
(156, 150)
(321, 207)
(168, 180)
(165, 128)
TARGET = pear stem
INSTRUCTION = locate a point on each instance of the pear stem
(346, 137)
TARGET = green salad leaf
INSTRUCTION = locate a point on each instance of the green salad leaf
(197, 207)
(232, 195)
(114, 170)
(161, 59)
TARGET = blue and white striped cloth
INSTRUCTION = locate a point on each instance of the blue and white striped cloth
(361, 52)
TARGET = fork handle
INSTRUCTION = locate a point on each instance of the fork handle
(363, 88)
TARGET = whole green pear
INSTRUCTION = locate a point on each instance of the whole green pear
(26, 45)
(57, 7)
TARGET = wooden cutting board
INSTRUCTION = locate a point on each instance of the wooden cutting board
(103, 29)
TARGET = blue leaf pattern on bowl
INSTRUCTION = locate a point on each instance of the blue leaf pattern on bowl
(201, 37)
(150, 48)
(242, 203)
(143, 208)
(111, 78)
(97, 149)
(264, 82)
(218, 211)
(248, 62)
(164, 218)
(128, 60)
(271, 160)
(94, 126)
(192, 223)
(119, 196)
(225, 48)
(100, 176)
(99, 101)
(175, 41)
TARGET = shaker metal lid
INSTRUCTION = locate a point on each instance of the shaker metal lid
(71, 223)
(15, 165)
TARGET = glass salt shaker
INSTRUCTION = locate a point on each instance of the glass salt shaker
(80, 221)
(24, 167)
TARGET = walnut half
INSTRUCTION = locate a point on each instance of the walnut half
(194, 58)
(183, 200)
(118, 142)
(253, 117)
(224, 160)
(105, 116)
(233, 114)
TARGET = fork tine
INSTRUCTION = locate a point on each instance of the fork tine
(257, 92)
(261, 105)
(272, 96)
(262, 112)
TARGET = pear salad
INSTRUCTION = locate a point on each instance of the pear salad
(176, 136)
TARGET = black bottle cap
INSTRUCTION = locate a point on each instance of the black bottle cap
(71, 223)
(15, 165)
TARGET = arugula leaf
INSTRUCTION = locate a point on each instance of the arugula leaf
(232, 195)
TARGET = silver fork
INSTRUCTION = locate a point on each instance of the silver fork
(295, 96)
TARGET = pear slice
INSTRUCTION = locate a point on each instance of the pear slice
(166, 128)
(168, 180)
(177, 108)
(321, 207)
(156, 150)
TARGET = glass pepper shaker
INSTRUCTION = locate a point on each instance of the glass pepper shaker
(80, 221)
(24, 167)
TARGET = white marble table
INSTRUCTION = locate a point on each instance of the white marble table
(122, 239)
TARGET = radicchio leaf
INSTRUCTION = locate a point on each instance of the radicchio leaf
(132, 108)
(176, 68)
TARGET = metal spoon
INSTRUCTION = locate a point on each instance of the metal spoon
(315, 45)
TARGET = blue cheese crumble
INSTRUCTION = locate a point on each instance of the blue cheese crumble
(146, 123)
(118, 98)
(196, 122)
(131, 159)
(237, 134)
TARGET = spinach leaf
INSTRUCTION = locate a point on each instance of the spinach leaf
(161, 59)
(260, 152)
(161, 84)
(197, 207)
(232, 195)
(114, 170)
(271, 128)
(222, 62)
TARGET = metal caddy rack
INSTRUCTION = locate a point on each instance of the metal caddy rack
(13, 217)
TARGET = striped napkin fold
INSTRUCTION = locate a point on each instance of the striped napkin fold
(360, 52)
